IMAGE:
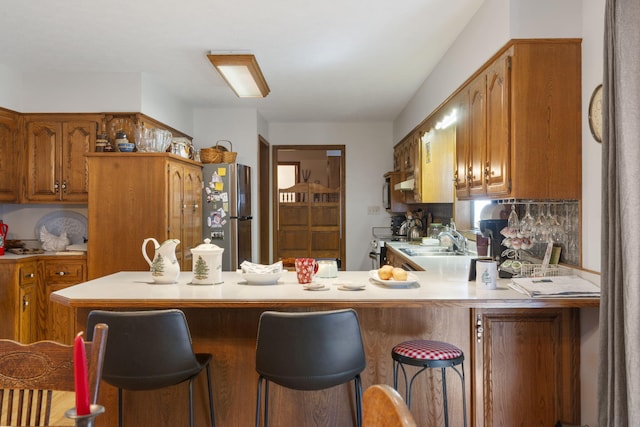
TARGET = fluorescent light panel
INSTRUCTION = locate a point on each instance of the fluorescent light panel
(242, 74)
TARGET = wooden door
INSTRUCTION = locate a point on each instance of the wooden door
(43, 157)
(526, 367)
(498, 129)
(8, 156)
(309, 217)
(477, 136)
(79, 138)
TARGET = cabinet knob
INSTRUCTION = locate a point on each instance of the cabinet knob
(195, 206)
(29, 275)
(62, 273)
(64, 186)
(479, 328)
(25, 302)
(56, 185)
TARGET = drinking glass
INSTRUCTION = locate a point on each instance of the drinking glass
(513, 222)
(527, 223)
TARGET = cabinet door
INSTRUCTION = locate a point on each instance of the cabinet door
(8, 157)
(498, 129)
(526, 367)
(79, 138)
(461, 105)
(43, 156)
(59, 274)
(477, 136)
(192, 214)
(176, 207)
(28, 314)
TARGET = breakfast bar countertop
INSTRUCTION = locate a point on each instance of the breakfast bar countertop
(446, 287)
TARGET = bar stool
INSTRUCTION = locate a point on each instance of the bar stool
(429, 354)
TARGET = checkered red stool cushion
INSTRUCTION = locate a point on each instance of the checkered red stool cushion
(427, 350)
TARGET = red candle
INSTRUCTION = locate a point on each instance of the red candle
(80, 376)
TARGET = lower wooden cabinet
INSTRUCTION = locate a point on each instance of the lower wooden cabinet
(18, 301)
(59, 273)
(526, 367)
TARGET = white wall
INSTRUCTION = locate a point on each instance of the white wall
(10, 89)
(161, 105)
(80, 92)
(368, 154)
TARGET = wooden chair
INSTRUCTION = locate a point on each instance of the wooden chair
(30, 373)
(382, 406)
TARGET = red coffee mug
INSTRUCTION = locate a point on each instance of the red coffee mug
(306, 268)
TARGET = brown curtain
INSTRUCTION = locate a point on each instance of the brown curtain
(619, 373)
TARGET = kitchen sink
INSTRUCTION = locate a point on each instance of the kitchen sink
(428, 251)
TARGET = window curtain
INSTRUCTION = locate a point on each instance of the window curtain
(619, 371)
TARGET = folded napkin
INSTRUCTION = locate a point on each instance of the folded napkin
(249, 267)
(556, 287)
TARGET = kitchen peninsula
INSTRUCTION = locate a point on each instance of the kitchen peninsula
(522, 354)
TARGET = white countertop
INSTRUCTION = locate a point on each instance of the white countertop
(441, 286)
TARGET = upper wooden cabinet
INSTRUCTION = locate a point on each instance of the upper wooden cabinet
(56, 167)
(9, 155)
(518, 131)
(133, 196)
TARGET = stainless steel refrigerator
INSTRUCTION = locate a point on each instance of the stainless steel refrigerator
(226, 211)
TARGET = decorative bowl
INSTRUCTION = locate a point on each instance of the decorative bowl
(126, 147)
(262, 278)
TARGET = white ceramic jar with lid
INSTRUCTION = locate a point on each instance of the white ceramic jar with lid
(207, 264)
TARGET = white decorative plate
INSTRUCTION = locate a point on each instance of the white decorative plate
(57, 222)
(411, 282)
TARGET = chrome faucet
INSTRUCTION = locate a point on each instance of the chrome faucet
(458, 241)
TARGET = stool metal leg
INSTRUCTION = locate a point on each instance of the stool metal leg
(464, 396)
(444, 396)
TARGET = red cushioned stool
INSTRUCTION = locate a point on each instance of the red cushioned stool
(429, 354)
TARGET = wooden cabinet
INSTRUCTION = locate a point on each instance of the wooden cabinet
(519, 123)
(56, 169)
(526, 367)
(397, 203)
(59, 273)
(309, 222)
(482, 142)
(133, 196)
(9, 155)
(18, 302)
(185, 210)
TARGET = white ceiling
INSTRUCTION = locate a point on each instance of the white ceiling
(324, 60)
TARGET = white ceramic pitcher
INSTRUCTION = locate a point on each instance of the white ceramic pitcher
(164, 267)
(207, 264)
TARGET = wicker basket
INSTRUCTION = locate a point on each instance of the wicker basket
(210, 155)
(218, 153)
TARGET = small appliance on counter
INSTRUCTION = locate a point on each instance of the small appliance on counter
(4, 230)
(490, 228)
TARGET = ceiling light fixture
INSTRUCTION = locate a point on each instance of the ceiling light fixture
(242, 73)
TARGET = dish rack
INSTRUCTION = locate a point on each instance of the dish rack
(539, 270)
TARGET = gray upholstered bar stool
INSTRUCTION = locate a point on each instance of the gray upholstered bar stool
(429, 354)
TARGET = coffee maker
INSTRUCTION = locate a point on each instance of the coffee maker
(491, 228)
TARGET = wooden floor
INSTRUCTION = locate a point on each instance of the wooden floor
(62, 401)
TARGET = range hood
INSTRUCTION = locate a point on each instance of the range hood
(407, 185)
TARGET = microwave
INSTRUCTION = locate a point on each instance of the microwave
(392, 199)
(386, 193)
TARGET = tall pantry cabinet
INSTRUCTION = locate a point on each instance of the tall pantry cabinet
(134, 196)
